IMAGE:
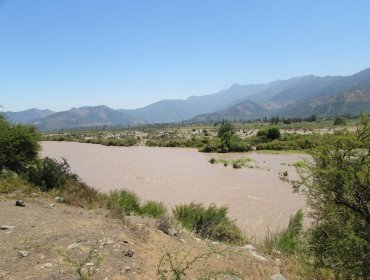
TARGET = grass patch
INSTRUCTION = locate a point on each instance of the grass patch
(238, 163)
(300, 164)
(212, 222)
(288, 241)
(125, 200)
(153, 209)
(278, 152)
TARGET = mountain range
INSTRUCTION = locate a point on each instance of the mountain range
(300, 96)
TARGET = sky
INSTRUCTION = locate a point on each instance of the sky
(129, 53)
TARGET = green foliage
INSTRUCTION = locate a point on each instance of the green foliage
(153, 209)
(125, 200)
(267, 135)
(337, 186)
(211, 222)
(18, 145)
(225, 128)
(339, 120)
(48, 173)
(288, 241)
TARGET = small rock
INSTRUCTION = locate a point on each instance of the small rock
(60, 199)
(183, 240)
(46, 265)
(20, 203)
(5, 227)
(172, 232)
(50, 206)
(257, 256)
(249, 247)
(89, 264)
(127, 269)
(277, 277)
(129, 253)
(22, 254)
(278, 262)
(73, 246)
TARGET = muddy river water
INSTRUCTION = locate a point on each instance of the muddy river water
(256, 197)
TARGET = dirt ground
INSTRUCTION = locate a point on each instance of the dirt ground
(65, 242)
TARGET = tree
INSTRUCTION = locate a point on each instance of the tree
(18, 145)
(337, 186)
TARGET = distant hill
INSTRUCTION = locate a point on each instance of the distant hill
(299, 96)
(178, 110)
(30, 116)
(339, 97)
(87, 117)
(241, 111)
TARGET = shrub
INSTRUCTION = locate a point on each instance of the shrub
(288, 241)
(48, 173)
(212, 161)
(18, 145)
(125, 200)
(273, 133)
(337, 187)
(211, 222)
(153, 209)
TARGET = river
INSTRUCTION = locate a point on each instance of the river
(256, 197)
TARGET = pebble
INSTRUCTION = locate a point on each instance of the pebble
(249, 247)
(277, 277)
(60, 199)
(46, 265)
(5, 227)
(129, 253)
(50, 206)
(20, 203)
(73, 246)
(89, 264)
(22, 254)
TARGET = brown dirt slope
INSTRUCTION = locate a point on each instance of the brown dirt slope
(65, 242)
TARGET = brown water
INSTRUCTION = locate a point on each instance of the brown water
(255, 196)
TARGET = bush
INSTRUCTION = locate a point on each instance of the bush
(288, 241)
(337, 186)
(18, 145)
(48, 174)
(268, 135)
(153, 209)
(125, 200)
(211, 222)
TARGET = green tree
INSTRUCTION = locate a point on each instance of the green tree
(337, 186)
(18, 145)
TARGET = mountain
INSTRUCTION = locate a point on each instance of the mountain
(28, 116)
(87, 117)
(340, 96)
(241, 111)
(178, 110)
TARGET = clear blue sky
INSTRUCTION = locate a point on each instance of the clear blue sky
(59, 54)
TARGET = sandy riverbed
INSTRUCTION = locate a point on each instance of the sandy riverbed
(255, 196)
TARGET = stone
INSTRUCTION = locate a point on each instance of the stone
(60, 199)
(73, 246)
(46, 265)
(20, 203)
(277, 277)
(89, 264)
(129, 253)
(22, 254)
(6, 227)
(257, 256)
(249, 247)
(172, 232)
(50, 206)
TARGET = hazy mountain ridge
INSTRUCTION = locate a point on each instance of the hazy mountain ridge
(300, 96)
(88, 117)
(30, 116)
